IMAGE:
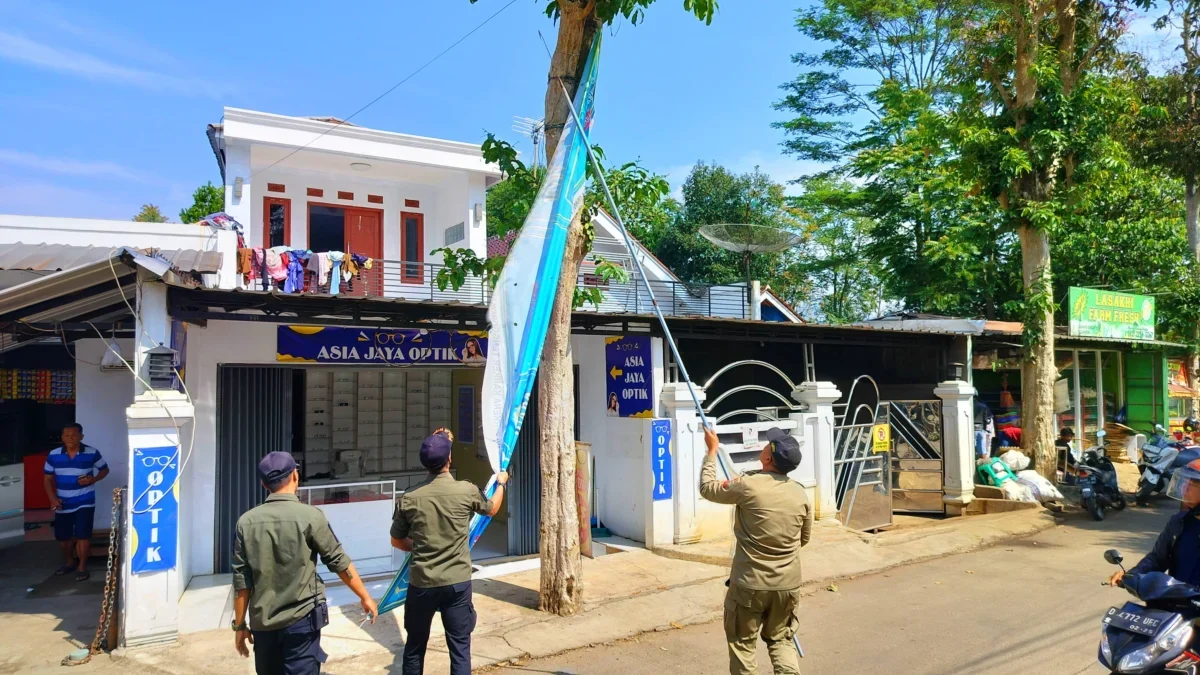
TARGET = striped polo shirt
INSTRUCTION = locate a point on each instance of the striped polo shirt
(66, 472)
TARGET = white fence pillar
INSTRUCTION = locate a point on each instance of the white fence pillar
(687, 451)
(818, 424)
(958, 444)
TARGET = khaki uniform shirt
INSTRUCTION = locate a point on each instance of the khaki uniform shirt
(772, 520)
(275, 554)
(436, 515)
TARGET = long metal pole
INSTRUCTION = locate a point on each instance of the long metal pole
(726, 462)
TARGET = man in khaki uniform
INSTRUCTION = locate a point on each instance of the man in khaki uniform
(432, 521)
(772, 520)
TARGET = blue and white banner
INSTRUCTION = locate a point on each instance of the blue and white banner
(154, 543)
(660, 459)
(519, 313)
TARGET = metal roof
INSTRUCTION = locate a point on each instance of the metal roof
(56, 257)
(94, 293)
(1120, 341)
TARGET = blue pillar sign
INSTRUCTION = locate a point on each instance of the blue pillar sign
(155, 507)
(660, 453)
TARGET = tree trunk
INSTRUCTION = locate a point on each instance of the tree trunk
(1038, 371)
(577, 25)
(1192, 211)
(561, 589)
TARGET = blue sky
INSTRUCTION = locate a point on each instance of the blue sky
(105, 109)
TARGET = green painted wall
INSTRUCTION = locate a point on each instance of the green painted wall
(1145, 389)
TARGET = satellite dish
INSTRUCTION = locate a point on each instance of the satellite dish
(749, 239)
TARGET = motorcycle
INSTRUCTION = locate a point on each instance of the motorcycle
(1155, 636)
(1155, 462)
(1097, 480)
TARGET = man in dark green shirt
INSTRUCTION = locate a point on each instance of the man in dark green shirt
(433, 522)
(275, 554)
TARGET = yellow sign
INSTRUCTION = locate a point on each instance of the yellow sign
(881, 438)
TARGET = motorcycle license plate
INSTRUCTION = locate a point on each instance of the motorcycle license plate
(1086, 492)
(1150, 477)
(1141, 623)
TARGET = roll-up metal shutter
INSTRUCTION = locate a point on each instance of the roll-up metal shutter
(254, 417)
(525, 493)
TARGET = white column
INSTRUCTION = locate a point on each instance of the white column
(153, 326)
(958, 444)
(151, 599)
(241, 209)
(687, 450)
(818, 423)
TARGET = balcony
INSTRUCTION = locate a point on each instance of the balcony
(417, 281)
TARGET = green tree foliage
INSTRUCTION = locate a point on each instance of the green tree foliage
(206, 200)
(847, 284)
(150, 214)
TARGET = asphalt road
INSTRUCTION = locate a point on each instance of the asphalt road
(1032, 606)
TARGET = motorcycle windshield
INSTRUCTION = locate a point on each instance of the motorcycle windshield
(1159, 587)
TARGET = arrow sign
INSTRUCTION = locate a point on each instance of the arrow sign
(616, 372)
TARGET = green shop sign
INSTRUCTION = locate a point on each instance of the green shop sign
(1098, 313)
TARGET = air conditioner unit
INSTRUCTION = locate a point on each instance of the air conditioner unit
(112, 359)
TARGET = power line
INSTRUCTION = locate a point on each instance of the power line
(393, 87)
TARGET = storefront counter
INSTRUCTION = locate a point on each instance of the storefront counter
(360, 514)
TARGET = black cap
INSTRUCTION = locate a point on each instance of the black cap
(275, 467)
(785, 449)
(435, 452)
(1067, 431)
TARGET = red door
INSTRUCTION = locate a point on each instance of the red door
(364, 236)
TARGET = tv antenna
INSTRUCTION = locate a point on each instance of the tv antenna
(535, 129)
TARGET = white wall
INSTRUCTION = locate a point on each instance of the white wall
(220, 342)
(101, 397)
(617, 444)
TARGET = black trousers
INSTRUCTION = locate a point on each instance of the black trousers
(458, 619)
(295, 650)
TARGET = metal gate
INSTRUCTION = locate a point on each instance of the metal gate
(742, 437)
(525, 494)
(254, 417)
(861, 476)
(917, 464)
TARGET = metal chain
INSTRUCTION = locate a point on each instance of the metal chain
(108, 605)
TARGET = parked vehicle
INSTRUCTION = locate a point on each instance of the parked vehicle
(12, 504)
(1156, 460)
(1155, 636)
(1097, 480)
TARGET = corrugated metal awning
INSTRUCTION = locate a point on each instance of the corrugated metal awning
(49, 258)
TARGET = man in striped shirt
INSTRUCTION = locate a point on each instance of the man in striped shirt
(71, 472)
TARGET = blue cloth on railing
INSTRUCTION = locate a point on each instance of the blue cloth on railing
(297, 261)
(335, 261)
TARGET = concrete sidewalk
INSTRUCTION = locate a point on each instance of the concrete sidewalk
(626, 594)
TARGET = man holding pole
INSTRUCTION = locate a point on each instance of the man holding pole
(772, 520)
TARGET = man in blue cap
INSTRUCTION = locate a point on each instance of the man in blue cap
(275, 576)
(772, 519)
(433, 521)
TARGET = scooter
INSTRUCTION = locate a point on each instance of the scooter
(1097, 480)
(1156, 461)
(1156, 636)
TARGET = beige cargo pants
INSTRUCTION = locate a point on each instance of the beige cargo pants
(771, 614)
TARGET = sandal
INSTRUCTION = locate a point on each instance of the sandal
(83, 576)
(64, 570)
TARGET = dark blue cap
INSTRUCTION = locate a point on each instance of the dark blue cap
(275, 467)
(785, 449)
(435, 452)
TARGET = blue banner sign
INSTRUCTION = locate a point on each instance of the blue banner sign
(380, 346)
(660, 463)
(154, 546)
(630, 376)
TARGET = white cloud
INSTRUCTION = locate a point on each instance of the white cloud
(73, 167)
(23, 50)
